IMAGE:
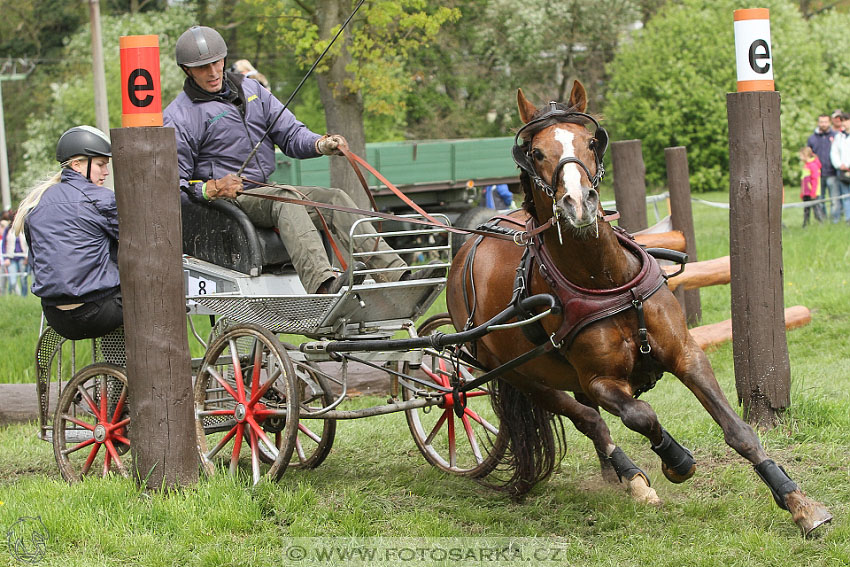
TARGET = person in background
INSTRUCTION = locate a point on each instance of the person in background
(500, 193)
(15, 259)
(4, 222)
(837, 122)
(840, 156)
(218, 119)
(821, 143)
(71, 224)
(810, 184)
(244, 66)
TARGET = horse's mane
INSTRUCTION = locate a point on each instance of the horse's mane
(531, 131)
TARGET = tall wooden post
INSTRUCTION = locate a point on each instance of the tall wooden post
(629, 184)
(679, 185)
(162, 431)
(762, 368)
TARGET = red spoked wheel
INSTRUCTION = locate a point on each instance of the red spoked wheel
(90, 425)
(246, 404)
(469, 445)
(315, 437)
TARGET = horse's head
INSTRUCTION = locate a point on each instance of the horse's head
(561, 160)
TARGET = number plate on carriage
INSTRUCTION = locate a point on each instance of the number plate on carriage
(198, 285)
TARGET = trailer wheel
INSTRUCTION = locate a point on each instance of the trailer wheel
(471, 218)
(90, 425)
(471, 445)
(245, 381)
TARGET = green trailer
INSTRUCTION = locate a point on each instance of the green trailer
(445, 176)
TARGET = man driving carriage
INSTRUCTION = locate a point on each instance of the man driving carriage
(218, 118)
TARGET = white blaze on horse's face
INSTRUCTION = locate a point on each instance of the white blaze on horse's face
(574, 193)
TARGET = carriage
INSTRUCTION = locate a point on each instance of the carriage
(269, 387)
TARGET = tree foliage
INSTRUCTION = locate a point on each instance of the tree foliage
(468, 80)
(668, 86)
(377, 42)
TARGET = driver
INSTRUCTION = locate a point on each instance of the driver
(218, 118)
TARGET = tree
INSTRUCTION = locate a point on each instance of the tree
(668, 86)
(468, 80)
(363, 73)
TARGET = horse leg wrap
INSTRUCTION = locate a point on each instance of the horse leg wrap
(777, 480)
(676, 457)
(624, 466)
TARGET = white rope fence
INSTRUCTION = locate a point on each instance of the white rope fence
(655, 199)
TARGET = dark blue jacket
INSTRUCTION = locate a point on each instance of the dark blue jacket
(216, 134)
(73, 240)
(821, 143)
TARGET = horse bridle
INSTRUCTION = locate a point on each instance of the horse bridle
(522, 156)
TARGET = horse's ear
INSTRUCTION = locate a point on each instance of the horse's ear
(578, 97)
(526, 109)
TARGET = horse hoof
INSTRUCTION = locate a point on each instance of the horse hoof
(806, 513)
(675, 477)
(641, 491)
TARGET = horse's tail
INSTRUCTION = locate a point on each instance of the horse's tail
(535, 443)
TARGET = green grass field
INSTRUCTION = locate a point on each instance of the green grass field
(375, 484)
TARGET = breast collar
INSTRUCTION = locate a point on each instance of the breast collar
(582, 306)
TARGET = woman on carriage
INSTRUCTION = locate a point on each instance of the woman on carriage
(71, 224)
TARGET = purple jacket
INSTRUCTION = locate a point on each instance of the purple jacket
(73, 240)
(216, 134)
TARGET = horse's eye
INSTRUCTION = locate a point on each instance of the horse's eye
(592, 145)
(537, 154)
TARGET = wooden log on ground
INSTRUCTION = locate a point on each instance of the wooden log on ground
(700, 274)
(709, 336)
(674, 240)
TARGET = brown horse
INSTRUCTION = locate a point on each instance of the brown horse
(619, 329)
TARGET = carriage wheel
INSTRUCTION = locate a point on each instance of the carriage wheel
(470, 445)
(90, 426)
(315, 436)
(245, 383)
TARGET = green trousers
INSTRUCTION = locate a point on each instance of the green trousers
(300, 227)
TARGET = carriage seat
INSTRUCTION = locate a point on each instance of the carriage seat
(220, 232)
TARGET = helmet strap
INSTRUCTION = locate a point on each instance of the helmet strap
(88, 169)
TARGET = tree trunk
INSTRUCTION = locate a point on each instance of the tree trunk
(343, 108)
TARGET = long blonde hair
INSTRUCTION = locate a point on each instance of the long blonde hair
(34, 196)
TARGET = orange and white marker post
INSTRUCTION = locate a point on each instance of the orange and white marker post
(752, 50)
(141, 98)
(759, 344)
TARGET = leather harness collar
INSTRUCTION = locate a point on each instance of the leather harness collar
(582, 306)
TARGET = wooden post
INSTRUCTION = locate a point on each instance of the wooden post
(162, 431)
(629, 184)
(760, 350)
(679, 185)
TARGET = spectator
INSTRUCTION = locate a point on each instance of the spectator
(840, 156)
(821, 143)
(15, 259)
(837, 122)
(505, 197)
(810, 184)
(244, 66)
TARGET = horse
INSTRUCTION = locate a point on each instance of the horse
(618, 330)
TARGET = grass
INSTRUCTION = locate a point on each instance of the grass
(375, 484)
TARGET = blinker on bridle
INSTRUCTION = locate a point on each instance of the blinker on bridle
(522, 156)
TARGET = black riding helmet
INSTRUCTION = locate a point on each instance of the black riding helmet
(83, 141)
